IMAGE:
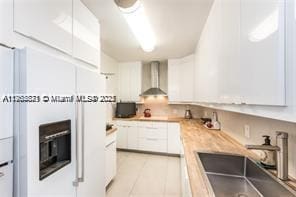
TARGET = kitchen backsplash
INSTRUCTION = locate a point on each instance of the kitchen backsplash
(159, 107)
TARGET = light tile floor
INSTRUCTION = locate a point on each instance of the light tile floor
(145, 175)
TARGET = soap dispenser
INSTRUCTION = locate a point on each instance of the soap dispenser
(269, 158)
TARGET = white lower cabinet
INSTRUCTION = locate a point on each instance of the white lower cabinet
(110, 158)
(121, 136)
(185, 184)
(127, 134)
(150, 136)
(132, 137)
(6, 174)
(153, 133)
(174, 138)
(153, 145)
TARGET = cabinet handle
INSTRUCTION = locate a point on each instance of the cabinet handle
(1, 174)
(57, 134)
(110, 144)
(81, 179)
(77, 118)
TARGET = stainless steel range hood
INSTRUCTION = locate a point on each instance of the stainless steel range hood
(155, 87)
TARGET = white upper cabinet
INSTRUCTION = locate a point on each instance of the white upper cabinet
(48, 21)
(86, 34)
(129, 81)
(229, 59)
(181, 79)
(263, 51)
(208, 52)
(240, 57)
(67, 25)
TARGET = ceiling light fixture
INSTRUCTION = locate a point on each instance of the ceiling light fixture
(134, 14)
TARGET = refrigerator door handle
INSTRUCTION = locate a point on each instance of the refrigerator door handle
(77, 120)
(81, 179)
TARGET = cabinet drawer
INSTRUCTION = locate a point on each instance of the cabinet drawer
(110, 138)
(6, 150)
(163, 125)
(144, 124)
(152, 144)
(126, 123)
(151, 132)
(120, 123)
(6, 180)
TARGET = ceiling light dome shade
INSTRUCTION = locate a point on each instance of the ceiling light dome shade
(125, 4)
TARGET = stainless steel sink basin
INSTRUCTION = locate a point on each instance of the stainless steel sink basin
(230, 175)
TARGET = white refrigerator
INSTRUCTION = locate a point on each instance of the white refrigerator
(37, 73)
(6, 122)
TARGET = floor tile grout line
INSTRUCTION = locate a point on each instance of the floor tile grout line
(166, 177)
(140, 171)
(120, 166)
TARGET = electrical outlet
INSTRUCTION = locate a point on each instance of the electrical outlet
(175, 111)
(247, 131)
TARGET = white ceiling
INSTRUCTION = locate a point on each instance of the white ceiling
(177, 25)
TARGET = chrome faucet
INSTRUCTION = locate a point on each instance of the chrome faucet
(281, 149)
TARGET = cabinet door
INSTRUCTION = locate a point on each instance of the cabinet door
(135, 81)
(181, 79)
(229, 86)
(208, 58)
(187, 79)
(174, 143)
(174, 80)
(153, 144)
(132, 137)
(86, 34)
(110, 163)
(48, 21)
(6, 181)
(6, 88)
(122, 137)
(263, 52)
(129, 81)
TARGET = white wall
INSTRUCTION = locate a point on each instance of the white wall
(287, 113)
(110, 65)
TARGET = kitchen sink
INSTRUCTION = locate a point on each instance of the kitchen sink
(229, 175)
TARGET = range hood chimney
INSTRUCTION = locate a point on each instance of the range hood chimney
(154, 90)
